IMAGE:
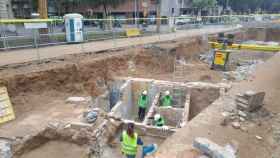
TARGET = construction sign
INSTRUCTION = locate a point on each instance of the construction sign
(220, 58)
(6, 109)
(132, 32)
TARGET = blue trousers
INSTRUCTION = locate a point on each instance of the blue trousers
(130, 156)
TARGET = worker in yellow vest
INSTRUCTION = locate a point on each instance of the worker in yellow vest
(130, 141)
(166, 100)
(143, 102)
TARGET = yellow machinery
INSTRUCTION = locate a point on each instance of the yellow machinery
(224, 46)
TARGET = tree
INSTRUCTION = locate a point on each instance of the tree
(104, 3)
(203, 4)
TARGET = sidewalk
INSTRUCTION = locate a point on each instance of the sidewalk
(27, 55)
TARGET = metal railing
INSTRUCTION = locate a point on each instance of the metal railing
(14, 35)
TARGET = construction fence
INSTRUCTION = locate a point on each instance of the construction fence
(13, 33)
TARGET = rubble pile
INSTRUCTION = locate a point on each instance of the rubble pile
(242, 71)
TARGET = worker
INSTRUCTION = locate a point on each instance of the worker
(159, 121)
(166, 101)
(142, 105)
(130, 141)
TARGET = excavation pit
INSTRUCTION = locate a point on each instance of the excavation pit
(188, 99)
(93, 74)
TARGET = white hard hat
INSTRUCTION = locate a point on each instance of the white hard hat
(145, 92)
(157, 117)
(167, 93)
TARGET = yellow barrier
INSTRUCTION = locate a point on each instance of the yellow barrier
(247, 47)
(9, 21)
(14, 21)
(6, 109)
(132, 32)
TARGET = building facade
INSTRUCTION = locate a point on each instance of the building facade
(6, 9)
(170, 8)
(22, 8)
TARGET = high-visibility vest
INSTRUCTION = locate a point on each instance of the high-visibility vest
(143, 101)
(129, 145)
(167, 100)
(160, 122)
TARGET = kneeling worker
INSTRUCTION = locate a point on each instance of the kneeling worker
(130, 141)
(159, 121)
(166, 101)
(142, 104)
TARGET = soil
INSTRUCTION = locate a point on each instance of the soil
(35, 111)
(38, 91)
(57, 149)
(208, 123)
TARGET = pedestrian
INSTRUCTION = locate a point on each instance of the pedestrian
(142, 105)
(130, 141)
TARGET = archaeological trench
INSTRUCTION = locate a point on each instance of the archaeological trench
(46, 125)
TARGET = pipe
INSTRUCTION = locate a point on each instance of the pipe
(253, 47)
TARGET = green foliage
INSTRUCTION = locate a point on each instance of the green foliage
(204, 3)
(251, 5)
(113, 3)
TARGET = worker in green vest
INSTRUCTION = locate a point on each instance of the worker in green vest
(143, 102)
(166, 100)
(130, 141)
(159, 121)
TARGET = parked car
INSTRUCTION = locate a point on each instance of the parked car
(183, 19)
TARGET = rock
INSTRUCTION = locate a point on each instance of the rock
(5, 149)
(91, 117)
(236, 125)
(259, 137)
(75, 100)
(242, 114)
(226, 114)
(242, 119)
(212, 149)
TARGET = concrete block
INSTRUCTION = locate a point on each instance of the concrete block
(5, 149)
(250, 100)
(212, 149)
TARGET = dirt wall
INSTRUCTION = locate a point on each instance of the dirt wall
(201, 99)
(88, 74)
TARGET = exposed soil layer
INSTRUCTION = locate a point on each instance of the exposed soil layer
(201, 99)
(37, 91)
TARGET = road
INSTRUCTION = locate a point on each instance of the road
(31, 54)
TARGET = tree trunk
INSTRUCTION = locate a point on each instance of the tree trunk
(158, 16)
(105, 14)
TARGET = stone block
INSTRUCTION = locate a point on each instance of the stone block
(250, 100)
(212, 149)
(5, 149)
